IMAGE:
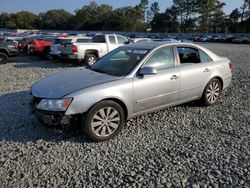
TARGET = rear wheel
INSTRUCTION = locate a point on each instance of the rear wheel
(3, 58)
(212, 92)
(90, 59)
(46, 52)
(103, 121)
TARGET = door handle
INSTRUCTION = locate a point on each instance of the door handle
(174, 77)
(206, 70)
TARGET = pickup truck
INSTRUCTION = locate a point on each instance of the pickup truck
(89, 52)
(57, 42)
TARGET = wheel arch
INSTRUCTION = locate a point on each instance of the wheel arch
(121, 103)
(5, 52)
(217, 77)
(220, 79)
(92, 51)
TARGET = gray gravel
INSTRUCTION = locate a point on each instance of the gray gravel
(183, 146)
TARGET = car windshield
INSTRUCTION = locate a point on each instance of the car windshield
(119, 62)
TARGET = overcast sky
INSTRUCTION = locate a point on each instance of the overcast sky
(38, 6)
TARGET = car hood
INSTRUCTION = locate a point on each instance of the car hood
(63, 83)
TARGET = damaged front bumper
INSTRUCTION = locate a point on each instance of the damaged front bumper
(54, 120)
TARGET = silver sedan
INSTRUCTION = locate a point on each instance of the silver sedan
(129, 81)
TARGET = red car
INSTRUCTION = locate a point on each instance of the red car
(40, 47)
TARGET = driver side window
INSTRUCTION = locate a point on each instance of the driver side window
(121, 40)
(161, 59)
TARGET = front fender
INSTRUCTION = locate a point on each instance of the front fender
(86, 98)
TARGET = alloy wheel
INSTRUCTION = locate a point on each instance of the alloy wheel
(213, 92)
(105, 121)
(91, 60)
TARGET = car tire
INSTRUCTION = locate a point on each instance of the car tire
(3, 58)
(46, 52)
(90, 59)
(103, 121)
(211, 92)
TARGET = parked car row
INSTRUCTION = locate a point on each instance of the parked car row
(88, 47)
(8, 48)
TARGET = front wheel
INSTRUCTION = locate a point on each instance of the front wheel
(212, 92)
(3, 58)
(103, 121)
(90, 59)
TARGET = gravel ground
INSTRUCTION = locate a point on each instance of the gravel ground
(183, 146)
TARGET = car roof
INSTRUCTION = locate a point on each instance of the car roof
(152, 45)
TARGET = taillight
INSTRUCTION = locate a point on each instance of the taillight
(74, 49)
(230, 65)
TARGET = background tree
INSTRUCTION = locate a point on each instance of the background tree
(244, 8)
(54, 19)
(184, 16)
(120, 19)
(142, 7)
(234, 18)
(218, 22)
(6, 21)
(24, 20)
(154, 9)
(245, 16)
(166, 22)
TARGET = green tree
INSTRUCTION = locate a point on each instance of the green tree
(234, 18)
(154, 9)
(125, 19)
(244, 8)
(185, 8)
(91, 17)
(166, 22)
(54, 19)
(23, 20)
(206, 10)
(142, 8)
(245, 16)
(218, 21)
(5, 20)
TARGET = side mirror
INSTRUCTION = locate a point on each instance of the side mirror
(147, 71)
(127, 42)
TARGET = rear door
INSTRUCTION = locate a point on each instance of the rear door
(196, 68)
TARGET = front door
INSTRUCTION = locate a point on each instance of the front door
(152, 91)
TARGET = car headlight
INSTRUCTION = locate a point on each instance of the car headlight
(54, 104)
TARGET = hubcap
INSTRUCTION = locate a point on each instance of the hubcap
(213, 92)
(105, 121)
(91, 60)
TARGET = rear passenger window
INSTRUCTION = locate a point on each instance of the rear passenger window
(112, 40)
(204, 57)
(188, 55)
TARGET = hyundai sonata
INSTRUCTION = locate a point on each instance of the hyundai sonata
(129, 81)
